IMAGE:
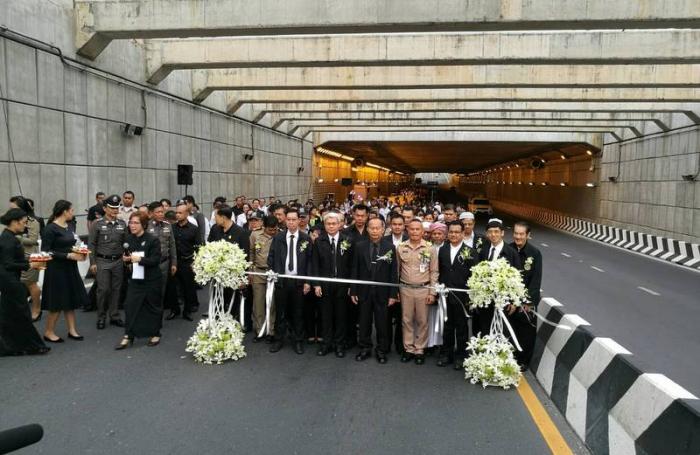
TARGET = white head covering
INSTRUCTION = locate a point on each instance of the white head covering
(466, 216)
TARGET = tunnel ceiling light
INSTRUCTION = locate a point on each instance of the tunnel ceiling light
(353, 169)
(335, 180)
(517, 165)
(320, 180)
(563, 157)
(562, 184)
(543, 183)
(530, 183)
(590, 184)
(589, 153)
(520, 183)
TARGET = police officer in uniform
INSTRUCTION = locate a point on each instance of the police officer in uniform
(106, 240)
(163, 231)
(260, 241)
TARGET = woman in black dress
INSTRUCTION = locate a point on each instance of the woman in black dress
(143, 305)
(17, 333)
(63, 290)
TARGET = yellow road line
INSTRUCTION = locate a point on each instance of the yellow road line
(544, 423)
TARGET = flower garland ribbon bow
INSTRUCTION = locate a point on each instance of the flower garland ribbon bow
(272, 278)
(441, 318)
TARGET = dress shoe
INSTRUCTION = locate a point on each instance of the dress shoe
(57, 340)
(299, 347)
(187, 317)
(116, 322)
(381, 357)
(323, 350)
(420, 359)
(257, 339)
(269, 339)
(76, 338)
(154, 341)
(100, 324)
(276, 346)
(443, 361)
(340, 353)
(406, 357)
(194, 309)
(362, 355)
(38, 318)
(172, 315)
(124, 343)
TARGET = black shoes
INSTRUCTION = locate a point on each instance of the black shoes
(38, 318)
(124, 343)
(381, 357)
(258, 339)
(323, 350)
(276, 346)
(362, 355)
(406, 357)
(172, 315)
(116, 322)
(100, 324)
(57, 340)
(299, 347)
(340, 353)
(76, 338)
(420, 359)
(443, 361)
(187, 317)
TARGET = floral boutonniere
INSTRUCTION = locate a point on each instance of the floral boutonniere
(303, 245)
(528, 264)
(258, 247)
(479, 241)
(385, 257)
(344, 245)
(425, 256)
(465, 255)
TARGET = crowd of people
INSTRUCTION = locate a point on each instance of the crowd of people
(141, 256)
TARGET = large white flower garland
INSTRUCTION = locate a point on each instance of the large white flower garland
(491, 361)
(219, 337)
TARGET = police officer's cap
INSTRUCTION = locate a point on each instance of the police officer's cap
(114, 201)
(256, 215)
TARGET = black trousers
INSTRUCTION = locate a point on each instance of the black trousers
(377, 309)
(185, 279)
(395, 327)
(312, 316)
(525, 328)
(481, 321)
(236, 305)
(289, 310)
(334, 314)
(352, 319)
(456, 330)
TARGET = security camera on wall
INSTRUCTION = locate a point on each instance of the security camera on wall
(131, 130)
(248, 157)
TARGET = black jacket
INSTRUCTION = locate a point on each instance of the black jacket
(385, 271)
(390, 238)
(531, 268)
(322, 257)
(236, 235)
(150, 246)
(354, 234)
(276, 259)
(508, 253)
(455, 274)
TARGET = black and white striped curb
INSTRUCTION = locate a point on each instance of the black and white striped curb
(676, 251)
(611, 404)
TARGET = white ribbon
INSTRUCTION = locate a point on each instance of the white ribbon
(241, 312)
(499, 318)
(441, 316)
(269, 295)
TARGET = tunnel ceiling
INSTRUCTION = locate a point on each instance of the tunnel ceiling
(452, 157)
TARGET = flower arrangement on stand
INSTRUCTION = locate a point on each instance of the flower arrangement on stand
(219, 337)
(491, 361)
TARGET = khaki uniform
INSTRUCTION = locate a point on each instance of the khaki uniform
(106, 244)
(417, 266)
(125, 212)
(30, 242)
(168, 253)
(259, 250)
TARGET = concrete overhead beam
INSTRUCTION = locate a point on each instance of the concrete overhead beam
(100, 21)
(205, 82)
(595, 47)
(497, 95)
(322, 137)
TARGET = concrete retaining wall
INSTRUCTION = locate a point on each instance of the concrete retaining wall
(614, 406)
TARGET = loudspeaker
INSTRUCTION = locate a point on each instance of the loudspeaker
(184, 174)
(346, 182)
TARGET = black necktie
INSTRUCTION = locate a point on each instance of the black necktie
(493, 250)
(291, 253)
(333, 258)
(375, 252)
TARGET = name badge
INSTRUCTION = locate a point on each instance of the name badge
(423, 267)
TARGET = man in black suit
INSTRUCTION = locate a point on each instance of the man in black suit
(473, 240)
(494, 249)
(398, 234)
(455, 261)
(290, 254)
(522, 319)
(374, 260)
(332, 258)
(356, 232)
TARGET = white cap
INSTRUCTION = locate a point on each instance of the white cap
(466, 216)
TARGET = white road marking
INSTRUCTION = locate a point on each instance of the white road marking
(544, 244)
(566, 255)
(648, 291)
(598, 269)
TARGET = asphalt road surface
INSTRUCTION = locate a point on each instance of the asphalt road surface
(92, 399)
(650, 307)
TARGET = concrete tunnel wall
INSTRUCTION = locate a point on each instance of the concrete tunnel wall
(64, 127)
(650, 195)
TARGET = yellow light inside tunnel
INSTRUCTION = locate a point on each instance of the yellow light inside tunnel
(590, 185)
(320, 180)
(562, 184)
(563, 157)
(589, 153)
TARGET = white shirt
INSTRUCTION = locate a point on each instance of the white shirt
(241, 220)
(296, 257)
(396, 240)
(334, 238)
(497, 252)
(453, 251)
(469, 241)
(192, 220)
